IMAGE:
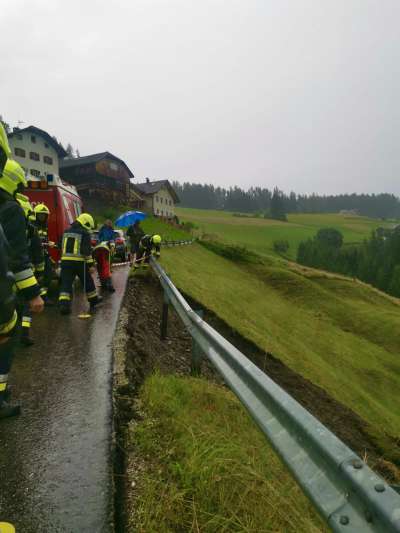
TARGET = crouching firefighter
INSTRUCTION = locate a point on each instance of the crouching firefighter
(77, 261)
(147, 244)
(37, 259)
(103, 254)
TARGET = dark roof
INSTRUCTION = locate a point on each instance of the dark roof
(151, 187)
(89, 159)
(49, 139)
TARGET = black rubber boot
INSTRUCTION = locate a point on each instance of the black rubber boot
(96, 302)
(25, 339)
(65, 309)
(7, 393)
(109, 285)
(8, 409)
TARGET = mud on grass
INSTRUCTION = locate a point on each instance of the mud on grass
(139, 353)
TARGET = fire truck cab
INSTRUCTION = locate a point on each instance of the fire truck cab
(63, 201)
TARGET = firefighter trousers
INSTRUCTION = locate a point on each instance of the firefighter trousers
(25, 317)
(47, 275)
(8, 326)
(69, 271)
(102, 257)
(142, 258)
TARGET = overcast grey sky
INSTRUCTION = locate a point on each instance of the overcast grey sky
(303, 94)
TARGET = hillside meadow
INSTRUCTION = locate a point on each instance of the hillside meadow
(259, 234)
(340, 334)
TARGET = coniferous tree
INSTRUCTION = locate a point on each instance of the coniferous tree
(277, 208)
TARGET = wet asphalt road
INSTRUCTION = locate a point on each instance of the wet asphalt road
(55, 461)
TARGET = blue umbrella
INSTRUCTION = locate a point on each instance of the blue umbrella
(128, 218)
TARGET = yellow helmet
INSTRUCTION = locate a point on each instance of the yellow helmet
(42, 208)
(4, 141)
(156, 239)
(5, 151)
(25, 204)
(86, 221)
(13, 179)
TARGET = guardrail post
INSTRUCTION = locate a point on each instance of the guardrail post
(197, 354)
(164, 317)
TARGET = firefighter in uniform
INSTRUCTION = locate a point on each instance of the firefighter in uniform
(102, 254)
(147, 244)
(12, 220)
(41, 221)
(77, 260)
(37, 260)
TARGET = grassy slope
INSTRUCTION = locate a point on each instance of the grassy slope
(259, 234)
(211, 469)
(340, 334)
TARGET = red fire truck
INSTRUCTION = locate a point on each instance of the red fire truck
(63, 201)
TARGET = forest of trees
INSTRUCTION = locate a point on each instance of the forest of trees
(258, 200)
(375, 261)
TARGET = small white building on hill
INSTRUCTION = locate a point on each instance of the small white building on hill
(159, 196)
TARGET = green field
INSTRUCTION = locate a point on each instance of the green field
(338, 333)
(211, 469)
(258, 234)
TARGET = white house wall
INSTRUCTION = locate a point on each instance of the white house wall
(38, 147)
(163, 203)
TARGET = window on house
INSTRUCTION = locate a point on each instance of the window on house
(156, 198)
(47, 159)
(35, 172)
(161, 200)
(46, 145)
(34, 156)
(33, 138)
(20, 152)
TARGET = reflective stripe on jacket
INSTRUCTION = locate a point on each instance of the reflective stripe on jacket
(75, 245)
(13, 220)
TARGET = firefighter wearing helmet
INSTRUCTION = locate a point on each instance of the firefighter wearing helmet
(12, 220)
(37, 260)
(147, 245)
(77, 261)
(41, 221)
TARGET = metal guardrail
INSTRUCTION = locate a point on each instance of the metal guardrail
(345, 491)
(177, 243)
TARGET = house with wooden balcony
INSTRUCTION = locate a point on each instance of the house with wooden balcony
(101, 176)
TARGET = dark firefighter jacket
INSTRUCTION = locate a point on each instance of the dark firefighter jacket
(4, 251)
(12, 219)
(7, 297)
(76, 245)
(147, 244)
(43, 232)
(35, 247)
